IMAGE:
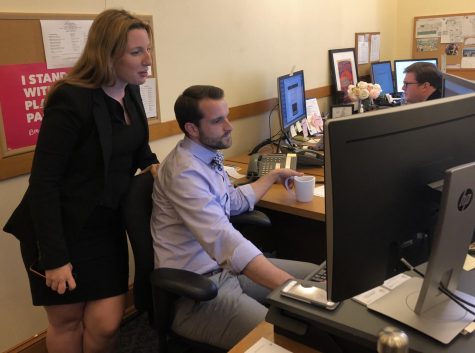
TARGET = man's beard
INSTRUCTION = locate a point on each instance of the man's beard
(216, 144)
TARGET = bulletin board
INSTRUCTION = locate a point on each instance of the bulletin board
(367, 50)
(22, 61)
(450, 38)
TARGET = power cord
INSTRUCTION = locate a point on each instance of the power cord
(442, 287)
(269, 119)
(458, 300)
(272, 138)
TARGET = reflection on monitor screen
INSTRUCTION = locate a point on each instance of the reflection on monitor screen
(382, 74)
(378, 203)
(291, 90)
(400, 66)
(453, 85)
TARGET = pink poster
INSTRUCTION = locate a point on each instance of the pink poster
(23, 90)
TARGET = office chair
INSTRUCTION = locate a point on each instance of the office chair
(155, 290)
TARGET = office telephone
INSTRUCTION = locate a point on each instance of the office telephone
(260, 165)
(306, 157)
(309, 158)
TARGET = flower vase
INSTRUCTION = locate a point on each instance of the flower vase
(371, 103)
(360, 106)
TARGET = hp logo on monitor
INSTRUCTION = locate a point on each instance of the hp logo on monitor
(465, 199)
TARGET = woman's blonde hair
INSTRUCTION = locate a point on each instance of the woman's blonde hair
(106, 43)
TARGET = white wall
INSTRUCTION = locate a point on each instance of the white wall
(241, 46)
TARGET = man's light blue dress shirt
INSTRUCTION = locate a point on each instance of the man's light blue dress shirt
(192, 205)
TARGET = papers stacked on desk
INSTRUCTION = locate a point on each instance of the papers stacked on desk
(319, 191)
(266, 346)
(469, 263)
(233, 172)
(374, 294)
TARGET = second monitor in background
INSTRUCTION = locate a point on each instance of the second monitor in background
(293, 117)
(292, 108)
(401, 65)
(300, 118)
(381, 73)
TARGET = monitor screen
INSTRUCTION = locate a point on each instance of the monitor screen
(454, 85)
(292, 106)
(382, 74)
(378, 204)
(400, 66)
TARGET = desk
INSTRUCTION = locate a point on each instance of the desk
(357, 324)
(244, 159)
(278, 199)
(289, 218)
(266, 330)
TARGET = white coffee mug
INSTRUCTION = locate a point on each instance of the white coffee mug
(304, 186)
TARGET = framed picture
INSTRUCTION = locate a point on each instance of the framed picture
(344, 71)
(341, 110)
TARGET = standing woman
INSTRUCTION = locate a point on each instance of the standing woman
(93, 138)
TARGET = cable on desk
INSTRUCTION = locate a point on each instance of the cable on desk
(410, 267)
(277, 137)
(272, 140)
(458, 300)
(268, 120)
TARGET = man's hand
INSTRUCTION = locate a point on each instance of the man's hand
(277, 175)
(283, 174)
(61, 278)
(265, 273)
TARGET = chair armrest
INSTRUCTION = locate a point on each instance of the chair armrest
(255, 217)
(184, 283)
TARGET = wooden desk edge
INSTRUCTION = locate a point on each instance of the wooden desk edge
(316, 213)
(243, 160)
(266, 330)
(316, 216)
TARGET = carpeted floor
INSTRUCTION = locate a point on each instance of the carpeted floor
(136, 336)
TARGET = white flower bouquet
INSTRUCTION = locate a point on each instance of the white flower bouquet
(363, 90)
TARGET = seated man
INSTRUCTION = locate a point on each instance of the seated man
(193, 200)
(423, 81)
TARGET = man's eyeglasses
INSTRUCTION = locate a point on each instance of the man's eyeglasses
(405, 84)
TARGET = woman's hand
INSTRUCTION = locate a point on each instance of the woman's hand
(152, 168)
(61, 278)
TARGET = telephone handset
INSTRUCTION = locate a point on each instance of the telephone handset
(260, 165)
(253, 167)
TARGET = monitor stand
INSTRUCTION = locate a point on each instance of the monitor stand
(300, 142)
(442, 322)
(419, 303)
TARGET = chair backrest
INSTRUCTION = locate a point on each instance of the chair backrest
(137, 213)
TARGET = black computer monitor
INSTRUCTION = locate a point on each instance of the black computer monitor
(378, 203)
(291, 91)
(454, 85)
(400, 66)
(382, 74)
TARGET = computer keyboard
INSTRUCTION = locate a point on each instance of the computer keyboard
(320, 275)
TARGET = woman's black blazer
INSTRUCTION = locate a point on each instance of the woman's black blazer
(69, 170)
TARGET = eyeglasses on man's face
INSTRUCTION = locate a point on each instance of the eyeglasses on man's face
(405, 84)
